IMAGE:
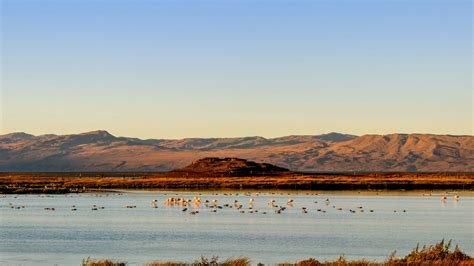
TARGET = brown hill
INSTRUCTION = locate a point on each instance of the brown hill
(101, 151)
(213, 166)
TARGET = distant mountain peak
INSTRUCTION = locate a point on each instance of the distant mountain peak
(336, 137)
(17, 136)
(98, 133)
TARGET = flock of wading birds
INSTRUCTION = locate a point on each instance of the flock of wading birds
(191, 206)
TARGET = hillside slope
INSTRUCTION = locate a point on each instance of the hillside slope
(101, 151)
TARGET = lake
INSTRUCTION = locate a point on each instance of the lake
(386, 222)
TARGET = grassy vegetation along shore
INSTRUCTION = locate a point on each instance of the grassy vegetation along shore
(82, 182)
(217, 173)
(440, 254)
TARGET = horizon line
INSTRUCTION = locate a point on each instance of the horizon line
(246, 136)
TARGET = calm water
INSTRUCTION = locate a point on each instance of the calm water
(34, 236)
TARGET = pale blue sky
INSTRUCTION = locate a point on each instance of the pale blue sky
(173, 69)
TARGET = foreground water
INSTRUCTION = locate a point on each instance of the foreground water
(35, 236)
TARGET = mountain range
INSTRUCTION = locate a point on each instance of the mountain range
(101, 151)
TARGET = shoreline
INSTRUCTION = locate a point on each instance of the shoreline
(441, 253)
(61, 183)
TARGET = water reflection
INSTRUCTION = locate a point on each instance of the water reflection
(266, 226)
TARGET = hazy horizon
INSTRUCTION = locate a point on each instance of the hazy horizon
(177, 69)
(219, 137)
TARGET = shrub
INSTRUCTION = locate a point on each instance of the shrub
(93, 262)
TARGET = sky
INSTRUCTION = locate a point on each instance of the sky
(176, 69)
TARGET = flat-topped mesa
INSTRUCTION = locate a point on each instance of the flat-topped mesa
(216, 167)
